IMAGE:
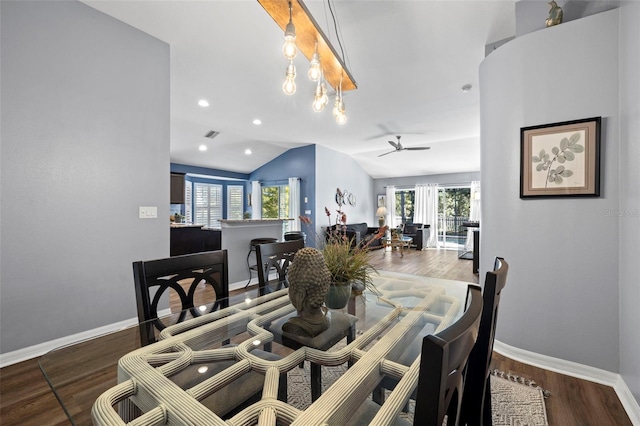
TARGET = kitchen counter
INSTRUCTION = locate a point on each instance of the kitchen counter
(190, 238)
(236, 238)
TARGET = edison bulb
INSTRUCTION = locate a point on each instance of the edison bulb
(341, 118)
(289, 50)
(315, 72)
(318, 105)
(338, 107)
(289, 86)
(325, 98)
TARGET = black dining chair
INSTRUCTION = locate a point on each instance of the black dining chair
(189, 275)
(442, 363)
(197, 280)
(443, 358)
(275, 257)
(476, 400)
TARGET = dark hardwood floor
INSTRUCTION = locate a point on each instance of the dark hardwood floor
(26, 399)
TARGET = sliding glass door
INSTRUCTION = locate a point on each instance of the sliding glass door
(453, 209)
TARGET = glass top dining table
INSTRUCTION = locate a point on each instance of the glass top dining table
(195, 360)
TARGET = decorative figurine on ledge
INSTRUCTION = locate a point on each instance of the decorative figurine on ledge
(309, 280)
(555, 14)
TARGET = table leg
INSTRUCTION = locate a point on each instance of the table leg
(316, 381)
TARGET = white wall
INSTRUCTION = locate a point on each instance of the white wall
(337, 170)
(562, 299)
(85, 142)
(630, 196)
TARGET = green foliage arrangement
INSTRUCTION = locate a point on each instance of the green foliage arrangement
(566, 152)
(347, 262)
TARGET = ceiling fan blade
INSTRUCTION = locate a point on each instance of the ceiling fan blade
(393, 144)
(417, 148)
(390, 152)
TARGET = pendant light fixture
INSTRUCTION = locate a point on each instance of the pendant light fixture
(320, 97)
(338, 107)
(326, 65)
(315, 70)
(289, 85)
(289, 49)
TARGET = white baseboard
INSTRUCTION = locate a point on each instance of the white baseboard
(40, 349)
(242, 284)
(579, 371)
(254, 281)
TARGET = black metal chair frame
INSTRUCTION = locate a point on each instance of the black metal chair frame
(210, 268)
(442, 363)
(275, 257)
(476, 403)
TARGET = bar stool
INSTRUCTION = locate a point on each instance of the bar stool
(252, 248)
(295, 235)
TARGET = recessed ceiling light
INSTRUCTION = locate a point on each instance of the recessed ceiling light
(203, 103)
(466, 88)
(202, 147)
(257, 122)
(247, 151)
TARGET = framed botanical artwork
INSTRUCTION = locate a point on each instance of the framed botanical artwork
(560, 159)
(382, 200)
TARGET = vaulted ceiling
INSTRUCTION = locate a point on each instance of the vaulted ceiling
(410, 60)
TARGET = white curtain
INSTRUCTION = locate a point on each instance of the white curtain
(474, 212)
(294, 203)
(426, 212)
(256, 200)
(391, 206)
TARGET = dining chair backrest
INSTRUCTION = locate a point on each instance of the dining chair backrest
(476, 401)
(196, 280)
(443, 359)
(275, 257)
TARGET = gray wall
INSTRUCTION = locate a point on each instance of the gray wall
(85, 142)
(337, 170)
(562, 299)
(630, 195)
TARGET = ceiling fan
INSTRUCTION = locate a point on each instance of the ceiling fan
(398, 147)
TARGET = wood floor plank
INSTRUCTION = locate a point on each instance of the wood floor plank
(26, 399)
(572, 401)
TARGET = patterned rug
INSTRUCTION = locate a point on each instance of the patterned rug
(515, 400)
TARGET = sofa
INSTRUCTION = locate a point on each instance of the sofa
(361, 234)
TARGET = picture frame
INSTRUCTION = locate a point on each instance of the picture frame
(382, 200)
(560, 159)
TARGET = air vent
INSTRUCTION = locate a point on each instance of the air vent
(211, 134)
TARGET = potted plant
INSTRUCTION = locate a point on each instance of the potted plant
(347, 262)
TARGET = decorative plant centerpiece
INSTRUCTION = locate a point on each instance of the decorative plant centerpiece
(348, 262)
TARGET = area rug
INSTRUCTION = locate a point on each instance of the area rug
(515, 401)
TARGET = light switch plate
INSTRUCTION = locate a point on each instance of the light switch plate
(307, 212)
(148, 212)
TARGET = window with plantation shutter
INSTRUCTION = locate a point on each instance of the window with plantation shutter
(188, 213)
(235, 198)
(208, 204)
